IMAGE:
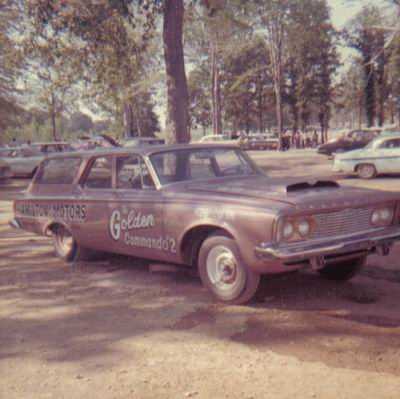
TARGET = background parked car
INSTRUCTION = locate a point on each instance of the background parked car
(352, 140)
(382, 155)
(218, 138)
(259, 142)
(91, 142)
(23, 161)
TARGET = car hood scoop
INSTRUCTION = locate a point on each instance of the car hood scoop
(309, 185)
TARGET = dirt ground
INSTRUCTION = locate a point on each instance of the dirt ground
(113, 329)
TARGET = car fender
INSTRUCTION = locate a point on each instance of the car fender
(47, 227)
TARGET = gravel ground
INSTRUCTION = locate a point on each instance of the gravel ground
(115, 330)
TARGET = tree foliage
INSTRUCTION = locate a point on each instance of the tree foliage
(10, 63)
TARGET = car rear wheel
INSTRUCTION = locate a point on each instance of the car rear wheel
(67, 248)
(343, 271)
(223, 272)
(366, 171)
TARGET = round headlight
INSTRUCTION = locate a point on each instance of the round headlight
(382, 216)
(375, 218)
(303, 227)
(386, 215)
(287, 230)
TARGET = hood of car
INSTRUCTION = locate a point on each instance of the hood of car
(294, 192)
(332, 144)
(354, 154)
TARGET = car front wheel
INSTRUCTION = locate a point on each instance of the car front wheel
(342, 271)
(366, 171)
(223, 272)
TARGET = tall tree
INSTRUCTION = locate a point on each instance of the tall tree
(274, 18)
(133, 24)
(10, 62)
(199, 98)
(177, 91)
(247, 86)
(369, 41)
(312, 62)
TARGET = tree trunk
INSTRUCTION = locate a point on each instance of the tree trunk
(177, 91)
(54, 126)
(370, 92)
(279, 115)
(295, 115)
(128, 118)
(136, 117)
(53, 117)
(275, 51)
(360, 110)
(381, 78)
(216, 91)
(260, 106)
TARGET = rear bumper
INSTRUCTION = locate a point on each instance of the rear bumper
(299, 252)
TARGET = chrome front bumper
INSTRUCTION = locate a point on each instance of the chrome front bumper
(298, 252)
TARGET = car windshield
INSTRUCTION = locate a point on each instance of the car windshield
(204, 163)
(374, 144)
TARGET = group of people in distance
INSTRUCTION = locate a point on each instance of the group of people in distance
(300, 140)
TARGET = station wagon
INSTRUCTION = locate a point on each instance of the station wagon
(209, 207)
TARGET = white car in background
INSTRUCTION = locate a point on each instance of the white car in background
(218, 139)
(380, 156)
(23, 161)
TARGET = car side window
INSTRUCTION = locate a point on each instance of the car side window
(132, 173)
(200, 167)
(58, 171)
(390, 144)
(100, 174)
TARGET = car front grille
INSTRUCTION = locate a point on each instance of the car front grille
(340, 223)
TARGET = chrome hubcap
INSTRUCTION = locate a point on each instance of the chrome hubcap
(64, 240)
(367, 171)
(224, 272)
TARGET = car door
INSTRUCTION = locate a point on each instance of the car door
(395, 159)
(136, 220)
(96, 195)
(387, 157)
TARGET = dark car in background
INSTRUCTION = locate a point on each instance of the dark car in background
(353, 140)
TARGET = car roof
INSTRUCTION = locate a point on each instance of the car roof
(144, 150)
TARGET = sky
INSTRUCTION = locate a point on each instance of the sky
(344, 10)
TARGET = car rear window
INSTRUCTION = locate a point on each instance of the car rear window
(58, 171)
